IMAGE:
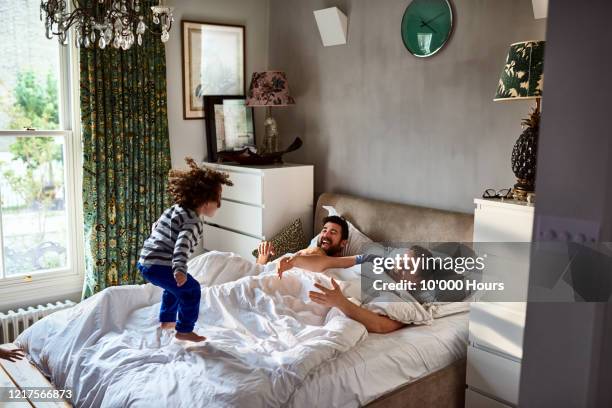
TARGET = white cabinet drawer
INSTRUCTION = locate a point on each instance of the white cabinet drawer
(247, 188)
(513, 272)
(239, 217)
(227, 241)
(501, 225)
(498, 326)
(476, 400)
(493, 375)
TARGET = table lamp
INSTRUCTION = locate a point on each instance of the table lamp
(269, 88)
(523, 78)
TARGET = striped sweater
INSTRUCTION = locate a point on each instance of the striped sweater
(174, 237)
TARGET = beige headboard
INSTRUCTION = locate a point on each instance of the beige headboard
(383, 221)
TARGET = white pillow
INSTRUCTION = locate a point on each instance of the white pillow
(441, 309)
(349, 280)
(398, 305)
(215, 268)
(356, 239)
(399, 309)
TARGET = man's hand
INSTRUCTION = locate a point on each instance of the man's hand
(329, 297)
(11, 355)
(265, 250)
(284, 264)
(180, 278)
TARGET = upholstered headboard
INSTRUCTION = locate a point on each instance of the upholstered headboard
(384, 221)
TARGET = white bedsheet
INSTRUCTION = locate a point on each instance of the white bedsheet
(266, 337)
(384, 362)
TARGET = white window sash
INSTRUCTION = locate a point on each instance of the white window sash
(59, 284)
(39, 285)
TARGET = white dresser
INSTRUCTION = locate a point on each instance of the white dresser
(262, 201)
(495, 346)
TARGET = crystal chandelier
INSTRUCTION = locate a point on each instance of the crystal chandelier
(118, 23)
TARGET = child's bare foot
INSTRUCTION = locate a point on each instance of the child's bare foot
(189, 337)
(168, 325)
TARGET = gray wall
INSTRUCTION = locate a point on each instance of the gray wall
(378, 122)
(187, 136)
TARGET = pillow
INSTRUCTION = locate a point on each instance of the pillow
(356, 239)
(399, 307)
(350, 278)
(441, 309)
(289, 240)
(404, 309)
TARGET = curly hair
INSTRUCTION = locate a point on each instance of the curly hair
(196, 186)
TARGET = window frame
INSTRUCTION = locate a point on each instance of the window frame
(64, 283)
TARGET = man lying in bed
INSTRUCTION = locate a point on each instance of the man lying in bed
(332, 239)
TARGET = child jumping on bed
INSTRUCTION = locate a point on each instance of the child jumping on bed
(163, 261)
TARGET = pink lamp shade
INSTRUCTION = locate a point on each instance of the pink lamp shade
(269, 88)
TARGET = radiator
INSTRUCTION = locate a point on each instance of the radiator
(13, 322)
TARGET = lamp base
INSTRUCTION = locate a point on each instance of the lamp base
(522, 188)
(270, 143)
(525, 154)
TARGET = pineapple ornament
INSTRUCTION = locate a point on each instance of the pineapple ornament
(524, 155)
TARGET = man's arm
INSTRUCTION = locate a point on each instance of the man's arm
(375, 323)
(316, 263)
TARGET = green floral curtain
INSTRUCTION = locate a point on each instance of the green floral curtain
(126, 156)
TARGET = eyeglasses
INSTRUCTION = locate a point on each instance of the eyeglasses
(503, 193)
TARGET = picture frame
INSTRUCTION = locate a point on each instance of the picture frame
(216, 123)
(214, 63)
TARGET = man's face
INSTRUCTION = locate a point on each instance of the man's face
(330, 239)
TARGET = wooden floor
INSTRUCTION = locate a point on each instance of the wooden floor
(23, 375)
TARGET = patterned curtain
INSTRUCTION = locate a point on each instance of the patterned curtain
(126, 156)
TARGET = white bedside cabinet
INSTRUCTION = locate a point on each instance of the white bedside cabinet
(262, 201)
(495, 345)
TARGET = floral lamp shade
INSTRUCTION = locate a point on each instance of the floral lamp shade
(523, 73)
(269, 88)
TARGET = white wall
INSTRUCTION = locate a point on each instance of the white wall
(187, 136)
(566, 347)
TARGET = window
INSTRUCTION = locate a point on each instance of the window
(39, 200)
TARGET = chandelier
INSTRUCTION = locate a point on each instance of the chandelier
(118, 23)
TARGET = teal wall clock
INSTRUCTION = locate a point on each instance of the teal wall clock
(427, 26)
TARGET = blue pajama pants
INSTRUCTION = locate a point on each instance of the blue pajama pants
(185, 299)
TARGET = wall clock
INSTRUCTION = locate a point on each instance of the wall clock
(427, 26)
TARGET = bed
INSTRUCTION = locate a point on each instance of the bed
(332, 365)
(439, 383)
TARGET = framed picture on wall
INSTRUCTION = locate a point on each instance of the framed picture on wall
(213, 63)
(229, 124)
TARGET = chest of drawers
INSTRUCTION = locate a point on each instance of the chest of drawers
(262, 201)
(496, 329)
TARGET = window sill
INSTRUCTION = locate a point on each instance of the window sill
(44, 288)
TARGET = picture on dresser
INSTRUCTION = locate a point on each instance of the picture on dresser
(213, 64)
(229, 124)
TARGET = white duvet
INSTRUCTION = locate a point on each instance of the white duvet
(264, 337)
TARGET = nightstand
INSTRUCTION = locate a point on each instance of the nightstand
(495, 345)
(262, 201)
